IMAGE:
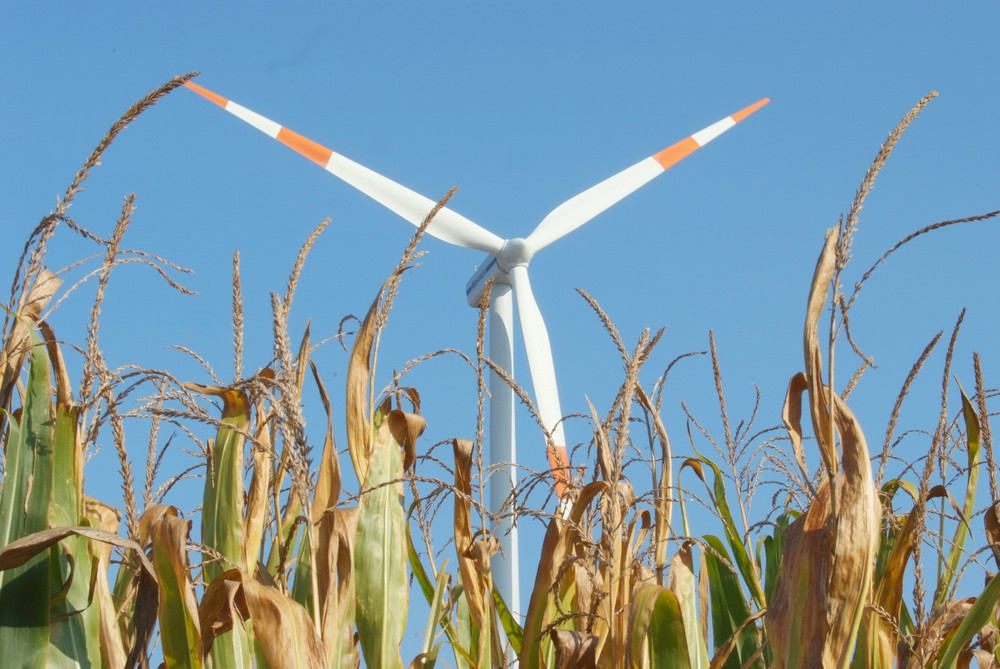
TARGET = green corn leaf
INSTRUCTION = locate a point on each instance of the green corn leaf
(657, 630)
(429, 651)
(950, 570)
(464, 658)
(380, 554)
(27, 550)
(463, 644)
(682, 583)
(24, 510)
(772, 547)
(222, 514)
(302, 585)
(740, 555)
(729, 609)
(978, 616)
(510, 625)
(74, 636)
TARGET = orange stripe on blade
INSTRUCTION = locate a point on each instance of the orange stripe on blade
(317, 153)
(674, 154)
(743, 113)
(217, 99)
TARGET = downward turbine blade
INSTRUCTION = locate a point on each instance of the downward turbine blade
(447, 225)
(576, 211)
(543, 374)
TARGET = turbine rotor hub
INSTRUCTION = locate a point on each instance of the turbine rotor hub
(515, 252)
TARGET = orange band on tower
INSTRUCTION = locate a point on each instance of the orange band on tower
(317, 153)
(674, 154)
(204, 92)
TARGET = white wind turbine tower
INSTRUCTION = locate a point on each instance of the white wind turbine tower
(507, 264)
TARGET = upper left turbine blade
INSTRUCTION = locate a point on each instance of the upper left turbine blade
(447, 225)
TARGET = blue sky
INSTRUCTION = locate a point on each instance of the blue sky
(523, 106)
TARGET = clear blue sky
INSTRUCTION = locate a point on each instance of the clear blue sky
(522, 107)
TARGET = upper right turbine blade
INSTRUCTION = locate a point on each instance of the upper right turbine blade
(576, 211)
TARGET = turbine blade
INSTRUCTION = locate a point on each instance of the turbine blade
(447, 225)
(543, 374)
(576, 211)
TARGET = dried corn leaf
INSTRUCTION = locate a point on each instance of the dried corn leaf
(222, 606)
(180, 631)
(18, 341)
(574, 650)
(791, 414)
(605, 454)
(938, 634)
(819, 404)
(328, 477)
(108, 519)
(286, 634)
(878, 638)
(406, 428)
(662, 499)
(359, 393)
(335, 585)
(991, 521)
(473, 570)
(827, 567)
(152, 514)
(258, 492)
(560, 537)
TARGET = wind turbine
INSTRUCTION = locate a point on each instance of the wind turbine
(507, 264)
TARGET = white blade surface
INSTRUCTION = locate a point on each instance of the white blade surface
(448, 225)
(576, 211)
(540, 365)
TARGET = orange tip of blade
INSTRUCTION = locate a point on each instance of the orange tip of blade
(743, 113)
(204, 92)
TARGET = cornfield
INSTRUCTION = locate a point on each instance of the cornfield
(288, 568)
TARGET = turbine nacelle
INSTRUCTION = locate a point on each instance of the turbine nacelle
(515, 252)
